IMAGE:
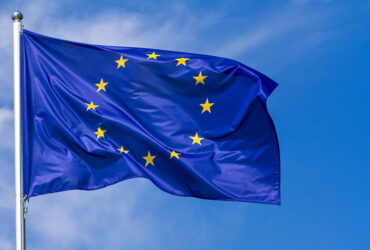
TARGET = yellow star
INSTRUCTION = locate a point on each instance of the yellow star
(152, 55)
(101, 85)
(200, 78)
(196, 139)
(91, 106)
(100, 133)
(149, 159)
(206, 106)
(174, 154)
(121, 150)
(181, 61)
(121, 62)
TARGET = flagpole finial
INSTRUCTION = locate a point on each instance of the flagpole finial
(17, 16)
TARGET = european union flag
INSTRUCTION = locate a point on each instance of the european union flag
(194, 125)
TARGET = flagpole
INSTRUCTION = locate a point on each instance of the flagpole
(18, 153)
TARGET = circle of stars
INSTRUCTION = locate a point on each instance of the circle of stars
(121, 63)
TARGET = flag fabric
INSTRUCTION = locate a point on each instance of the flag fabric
(194, 125)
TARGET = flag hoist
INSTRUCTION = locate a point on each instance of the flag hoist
(18, 155)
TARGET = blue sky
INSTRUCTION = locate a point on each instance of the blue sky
(318, 51)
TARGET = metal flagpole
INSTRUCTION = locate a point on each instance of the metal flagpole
(18, 161)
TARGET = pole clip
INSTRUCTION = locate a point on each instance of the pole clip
(25, 205)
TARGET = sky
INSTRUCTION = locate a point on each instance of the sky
(318, 52)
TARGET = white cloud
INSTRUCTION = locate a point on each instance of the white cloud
(6, 201)
(6, 116)
(281, 35)
(90, 219)
(117, 27)
(6, 124)
(6, 244)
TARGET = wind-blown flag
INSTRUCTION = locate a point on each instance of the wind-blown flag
(194, 125)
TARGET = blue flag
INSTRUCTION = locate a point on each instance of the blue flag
(194, 125)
